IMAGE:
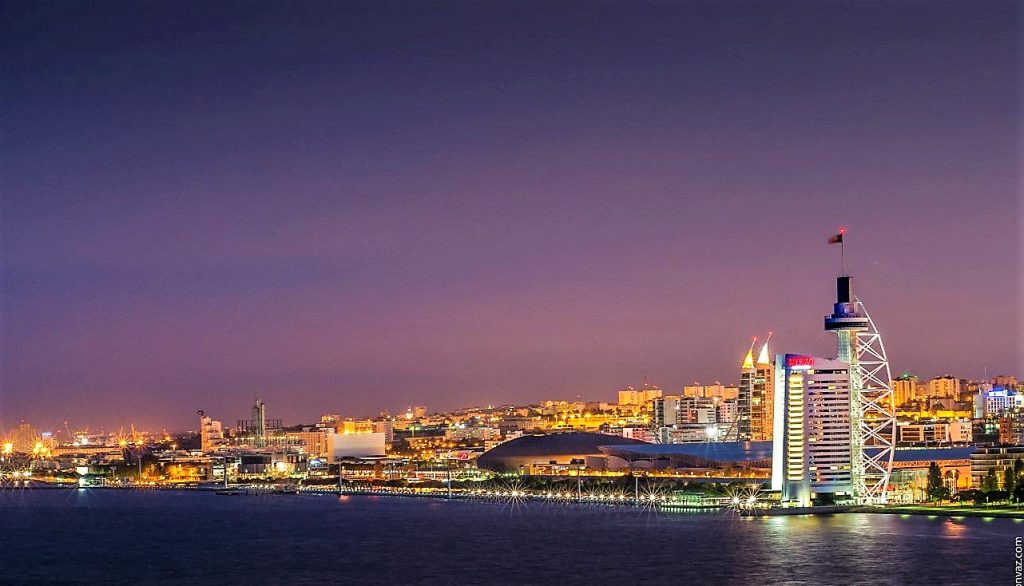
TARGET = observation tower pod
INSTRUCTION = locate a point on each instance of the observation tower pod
(845, 317)
(872, 416)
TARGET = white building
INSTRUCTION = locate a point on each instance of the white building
(688, 433)
(935, 432)
(728, 411)
(387, 427)
(697, 410)
(211, 432)
(666, 410)
(461, 432)
(354, 445)
(993, 402)
(812, 456)
(638, 433)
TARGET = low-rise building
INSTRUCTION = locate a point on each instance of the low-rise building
(909, 480)
(986, 459)
(639, 397)
(934, 432)
(462, 433)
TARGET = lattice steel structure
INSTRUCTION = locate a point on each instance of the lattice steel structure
(877, 425)
(872, 419)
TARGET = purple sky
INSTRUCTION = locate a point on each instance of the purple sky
(365, 206)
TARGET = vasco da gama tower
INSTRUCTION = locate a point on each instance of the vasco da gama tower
(834, 422)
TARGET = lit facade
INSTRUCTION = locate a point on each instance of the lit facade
(313, 441)
(354, 445)
(756, 396)
(23, 438)
(985, 460)
(905, 389)
(638, 397)
(872, 415)
(945, 386)
(639, 433)
(1005, 380)
(745, 397)
(993, 402)
(666, 410)
(355, 426)
(211, 432)
(689, 419)
(387, 427)
(762, 397)
(812, 454)
(697, 410)
(717, 390)
(1011, 427)
(935, 432)
(727, 412)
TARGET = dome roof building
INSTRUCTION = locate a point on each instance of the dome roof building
(557, 448)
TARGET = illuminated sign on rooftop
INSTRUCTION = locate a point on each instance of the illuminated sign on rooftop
(792, 360)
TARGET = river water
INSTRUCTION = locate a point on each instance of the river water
(181, 537)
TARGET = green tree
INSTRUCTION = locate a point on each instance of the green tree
(1009, 480)
(936, 489)
(969, 495)
(990, 482)
(1018, 493)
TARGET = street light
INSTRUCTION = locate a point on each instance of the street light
(134, 451)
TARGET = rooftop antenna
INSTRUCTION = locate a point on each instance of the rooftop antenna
(842, 248)
(840, 239)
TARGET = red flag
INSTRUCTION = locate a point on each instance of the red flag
(837, 239)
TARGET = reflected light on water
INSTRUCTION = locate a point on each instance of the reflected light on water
(951, 528)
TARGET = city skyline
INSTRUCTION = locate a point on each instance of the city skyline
(386, 211)
(313, 412)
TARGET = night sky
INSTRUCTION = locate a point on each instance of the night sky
(354, 207)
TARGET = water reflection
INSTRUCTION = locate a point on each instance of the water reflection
(372, 540)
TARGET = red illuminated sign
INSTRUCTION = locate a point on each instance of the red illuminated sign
(799, 361)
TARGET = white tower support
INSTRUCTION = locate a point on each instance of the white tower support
(872, 419)
(876, 427)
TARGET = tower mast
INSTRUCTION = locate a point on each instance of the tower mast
(872, 420)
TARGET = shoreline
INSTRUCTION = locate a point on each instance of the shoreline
(951, 512)
(954, 512)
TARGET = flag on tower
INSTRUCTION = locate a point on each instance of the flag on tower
(838, 238)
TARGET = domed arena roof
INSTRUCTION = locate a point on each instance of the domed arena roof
(541, 449)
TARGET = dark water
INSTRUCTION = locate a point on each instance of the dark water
(97, 536)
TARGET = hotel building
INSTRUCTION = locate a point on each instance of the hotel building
(812, 457)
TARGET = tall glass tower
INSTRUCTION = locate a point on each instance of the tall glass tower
(744, 402)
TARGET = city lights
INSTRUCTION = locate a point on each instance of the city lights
(514, 293)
